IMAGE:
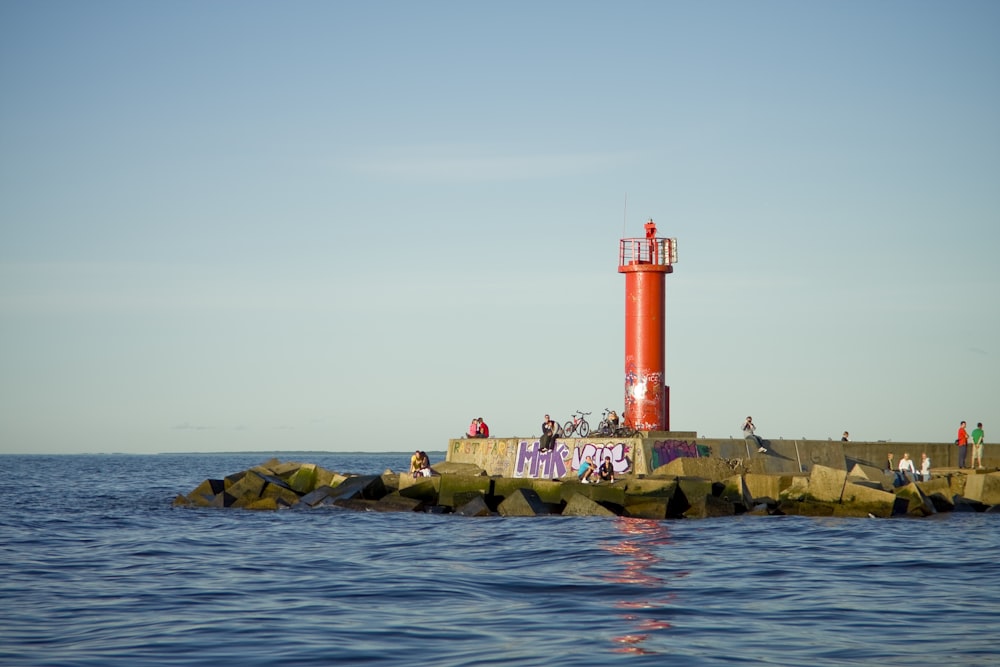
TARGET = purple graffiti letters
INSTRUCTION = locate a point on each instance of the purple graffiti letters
(665, 451)
(531, 462)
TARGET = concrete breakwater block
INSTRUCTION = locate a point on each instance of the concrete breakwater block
(523, 502)
(580, 505)
(984, 488)
(714, 492)
(475, 506)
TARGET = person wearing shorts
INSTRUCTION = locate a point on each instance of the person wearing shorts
(977, 446)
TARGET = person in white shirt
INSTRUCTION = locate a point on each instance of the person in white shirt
(906, 466)
(925, 467)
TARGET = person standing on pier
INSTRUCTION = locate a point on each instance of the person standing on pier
(963, 444)
(977, 445)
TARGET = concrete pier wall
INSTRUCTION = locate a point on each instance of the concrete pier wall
(520, 457)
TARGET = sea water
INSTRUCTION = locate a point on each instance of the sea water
(98, 568)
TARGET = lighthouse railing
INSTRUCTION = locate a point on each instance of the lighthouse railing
(659, 251)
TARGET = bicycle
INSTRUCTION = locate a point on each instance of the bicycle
(577, 424)
(625, 431)
(606, 428)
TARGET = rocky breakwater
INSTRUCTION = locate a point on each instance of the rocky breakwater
(683, 488)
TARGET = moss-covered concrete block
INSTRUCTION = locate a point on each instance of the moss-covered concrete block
(983, 487)
(280, 493)
(651, 487)
(251, 484)
(764, 485)
(711, 468)
(523, 502)
(827, 484)
(424, 489)
(394, 502)
(456, 468)
(646, 507)
(734, 489)
(326, 477)
(475, 506)
(917, 504)
(262, 504)
(458, 484)
(865, 500)
(806, 508)
(690, 491)
(708, 505)
(303, 480)
(580, 505)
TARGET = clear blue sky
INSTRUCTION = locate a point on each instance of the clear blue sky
(357, 225)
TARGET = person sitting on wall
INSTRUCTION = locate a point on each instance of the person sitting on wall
(423, 466)
(586, 470)
(473, 431)
(907, 471)
(613, 419)
(606, 473)
(748, 433)
(846, 437)
(482, 430)
(548, 439)
(415, 461)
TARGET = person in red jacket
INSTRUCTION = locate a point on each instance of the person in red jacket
(963, 444)
(482, 430)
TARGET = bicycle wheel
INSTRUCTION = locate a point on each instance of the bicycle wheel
(584, 428)
(604, 428)
(568, 428)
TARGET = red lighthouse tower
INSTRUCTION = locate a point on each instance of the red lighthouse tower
(646, 263)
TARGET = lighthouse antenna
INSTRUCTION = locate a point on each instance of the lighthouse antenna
(624, 215)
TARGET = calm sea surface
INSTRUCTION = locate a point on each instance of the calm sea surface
(97, 568)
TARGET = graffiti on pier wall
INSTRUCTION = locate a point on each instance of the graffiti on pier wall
(643, 396)
(617, 451)
(531, 462)
(665, 451)
(492, 455)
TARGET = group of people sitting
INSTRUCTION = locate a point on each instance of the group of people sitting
(420, 464)
(478, 429)
(907, 472)
(588, 473)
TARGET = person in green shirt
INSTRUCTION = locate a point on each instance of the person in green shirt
(977, 445)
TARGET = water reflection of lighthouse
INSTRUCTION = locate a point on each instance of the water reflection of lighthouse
(640, 536)
(645, 263)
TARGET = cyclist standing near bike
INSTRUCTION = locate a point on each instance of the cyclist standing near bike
(549, 431)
